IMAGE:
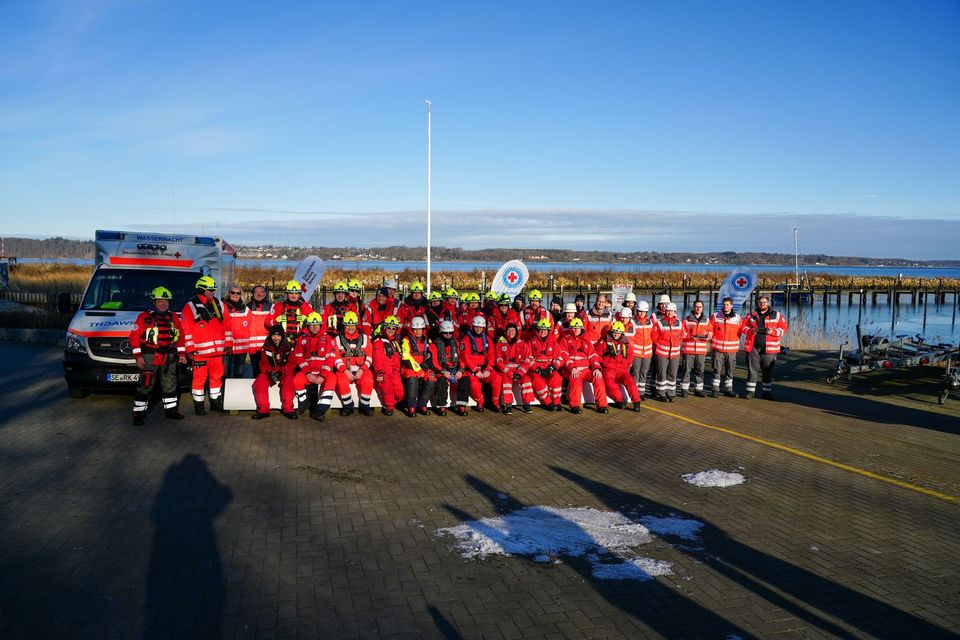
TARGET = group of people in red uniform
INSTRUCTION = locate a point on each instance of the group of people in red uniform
(441, 350)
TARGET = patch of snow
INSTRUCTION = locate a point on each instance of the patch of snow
(673, 526)
(714, 478)
(544, 533)
(641, 569)
(814, 547)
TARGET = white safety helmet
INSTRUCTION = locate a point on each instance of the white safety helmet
(663, 299)
(418, 323)
(570, 308)
(479, 321)
(672, 306)
(643, 305)
(631, 297)
(446, 327)
(626, 312)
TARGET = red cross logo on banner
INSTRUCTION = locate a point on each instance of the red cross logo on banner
(512, 277)
(177, 254)
(741, 282)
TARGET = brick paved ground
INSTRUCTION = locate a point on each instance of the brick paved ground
(224, 527)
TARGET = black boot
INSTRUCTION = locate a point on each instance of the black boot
(526, 409)
(386, 412)
(290, 415)
(138, 418)
(318, 414)
(260, 416)
(198, 408)
(346, 410)
(216, 404)
(636, 405)
(365, 410)
(172, 414)
(506, 410)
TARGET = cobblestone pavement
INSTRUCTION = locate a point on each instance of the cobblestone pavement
(219, 526)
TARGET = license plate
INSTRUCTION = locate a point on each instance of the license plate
(123, 377)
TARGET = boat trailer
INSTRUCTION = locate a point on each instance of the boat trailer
(878, 352)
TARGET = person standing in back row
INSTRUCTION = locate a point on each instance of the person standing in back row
(204, 338)
(763, 329)
(727, 328)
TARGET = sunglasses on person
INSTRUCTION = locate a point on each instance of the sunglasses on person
(236, 293)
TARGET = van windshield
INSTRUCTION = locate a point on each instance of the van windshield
(129, 289)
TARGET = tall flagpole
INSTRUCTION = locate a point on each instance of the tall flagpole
(429, 188)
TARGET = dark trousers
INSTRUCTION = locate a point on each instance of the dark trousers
(641, 374)
(667, 369)
(153, 374)
(417, 391)
(760, 368)
(441, 394)
(693, 367)
(723, 367)
(233, 365)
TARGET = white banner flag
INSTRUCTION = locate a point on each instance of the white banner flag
(620, 292)
(511, 278)
(309, 274)
(739, 285)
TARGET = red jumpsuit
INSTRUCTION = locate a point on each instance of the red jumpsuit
(497, 322)
(333, 315)
(204, 337)
(386, 369)
(616, 357)
(513, 358)
(417, 371)
(477, 354)
(377, 313)
(158, 338)
(274, 359)
(544, 353)
(353, 353)
(313, 355)
(464, 319)
(410, 309)
(582, 358)
(290, 316)
(530, 317)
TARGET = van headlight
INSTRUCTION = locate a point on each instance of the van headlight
(75, 343)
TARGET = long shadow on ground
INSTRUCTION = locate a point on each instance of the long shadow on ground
(754, 570)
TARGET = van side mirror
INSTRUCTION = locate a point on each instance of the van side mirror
(65, 303)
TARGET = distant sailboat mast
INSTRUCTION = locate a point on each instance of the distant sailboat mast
(796, 258)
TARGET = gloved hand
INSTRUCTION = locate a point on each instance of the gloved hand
(764, 331)
(516, 377)
(274, 377)
(549, 370)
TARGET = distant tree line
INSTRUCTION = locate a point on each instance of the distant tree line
(65, 248)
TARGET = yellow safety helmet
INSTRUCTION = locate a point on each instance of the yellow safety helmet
(294, 287)
(536, 295)
(543, 323)
(435, 295)
(616, 327)
(350, 317)
(340, 287)
(355, 285)
(576, 323)
(207, 283)
(490, 296)
(452, 293)
(391, 321)
(474, 296)
(503, 299)
(314, 318)
(417, 286)
(161, 293)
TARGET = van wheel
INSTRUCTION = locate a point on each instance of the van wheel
(77, 393)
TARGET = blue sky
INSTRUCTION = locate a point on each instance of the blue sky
(684, 126)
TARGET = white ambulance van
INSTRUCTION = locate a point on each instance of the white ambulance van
(128, 266)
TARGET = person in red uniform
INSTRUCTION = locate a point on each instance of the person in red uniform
(501, 316)
(763, 329)
(533, 314)
(451, 383)
(600, 318)
(434, 314)
(642, 342)
(203, 338)
(261, 312)
(616, 358)
(414, 305)
(290, 312)
(668, 334)
(355, 304)
(237, 322)
(477, 353)
(511, 362)
(157, 342)
(562, 327)
(582, 363)
(313, 365)
(380, 308)
(352, 361)
(386, 364)
(276, 367)
(469, 309)
(694, 350)
(489, 302)
(334, 310)
(727, 326)
(417, 369)
(547, 357)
